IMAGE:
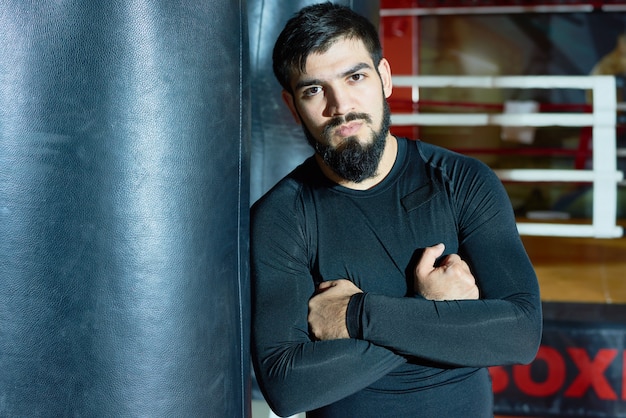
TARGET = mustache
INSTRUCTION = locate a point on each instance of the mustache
(340, 120)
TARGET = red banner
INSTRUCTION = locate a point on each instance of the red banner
(579, 371)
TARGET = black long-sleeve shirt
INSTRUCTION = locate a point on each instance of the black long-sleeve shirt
(405, 352)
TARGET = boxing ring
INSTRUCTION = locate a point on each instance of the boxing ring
(604, 175)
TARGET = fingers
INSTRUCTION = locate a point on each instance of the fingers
(429, 257)
(342, 285)
(454, 261)
(326, 285)
(327, 309)
(450, 279)
(453, 265)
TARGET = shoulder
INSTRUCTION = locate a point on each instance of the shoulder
(451, 165)
(286, 195)
(281, 222)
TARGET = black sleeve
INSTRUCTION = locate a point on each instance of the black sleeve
(295, 373)
(503, 327)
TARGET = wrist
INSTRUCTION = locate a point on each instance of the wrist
(353, 315)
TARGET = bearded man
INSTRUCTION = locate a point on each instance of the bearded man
(387, 274)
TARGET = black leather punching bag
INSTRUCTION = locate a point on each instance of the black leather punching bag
(278, 144)
(124, 194)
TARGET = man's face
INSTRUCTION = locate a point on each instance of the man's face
(340, 102)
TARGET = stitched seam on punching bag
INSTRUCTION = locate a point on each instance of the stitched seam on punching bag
(240, 209)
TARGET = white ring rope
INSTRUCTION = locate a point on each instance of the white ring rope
(605, 177)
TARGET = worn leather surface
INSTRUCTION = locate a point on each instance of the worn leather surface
(124, 197)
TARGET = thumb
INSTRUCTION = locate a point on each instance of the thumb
(429, 256)
(327, 284)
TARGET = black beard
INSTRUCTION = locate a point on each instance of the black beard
(352, 161)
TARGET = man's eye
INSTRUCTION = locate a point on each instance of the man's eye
(312, 91)
(357, 77)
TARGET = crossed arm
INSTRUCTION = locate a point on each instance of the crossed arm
(451, 279)
(298, 372)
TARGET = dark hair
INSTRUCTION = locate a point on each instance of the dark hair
(314, 29)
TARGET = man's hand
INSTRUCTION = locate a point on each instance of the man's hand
(451, 280)
(327, 309)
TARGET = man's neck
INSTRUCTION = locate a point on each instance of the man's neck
(385, 165)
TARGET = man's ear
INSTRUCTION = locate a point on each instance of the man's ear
(288, 99)
(384, 69)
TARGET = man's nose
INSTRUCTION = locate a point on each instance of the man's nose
(339, 102)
